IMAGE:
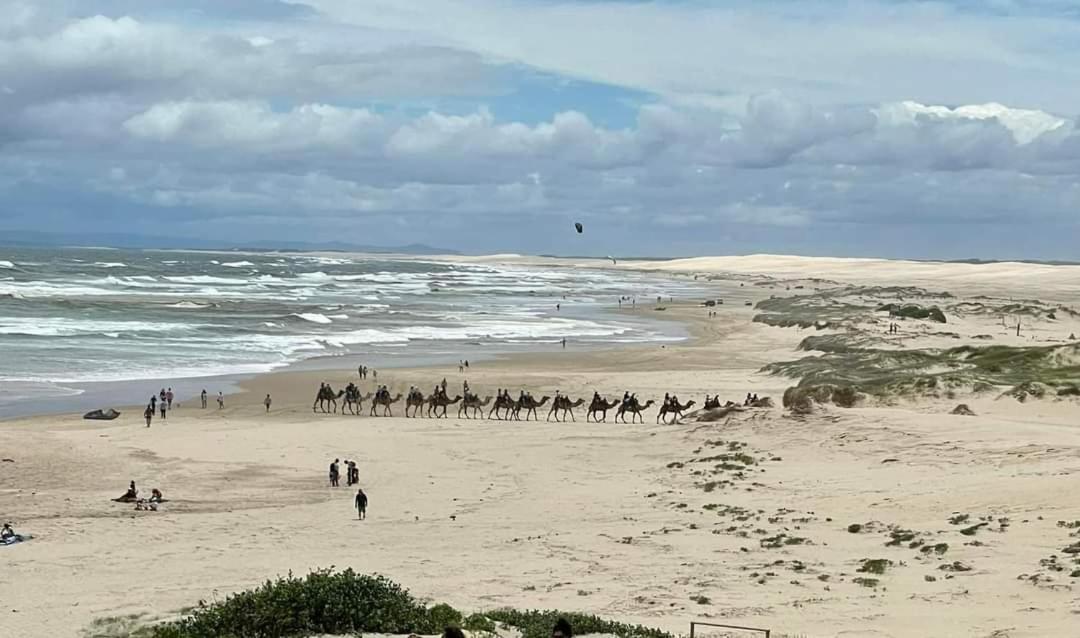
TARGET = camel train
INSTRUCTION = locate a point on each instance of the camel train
(505, 407)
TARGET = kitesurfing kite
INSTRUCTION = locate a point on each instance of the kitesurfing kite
(579, 227)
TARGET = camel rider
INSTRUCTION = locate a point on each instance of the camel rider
(667, 400)
(626, 398)
(521, 397)
(465, 385)
(443, 385)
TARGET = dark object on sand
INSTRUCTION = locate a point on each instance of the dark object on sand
(101, 415)
(963, 410)
(579, 227)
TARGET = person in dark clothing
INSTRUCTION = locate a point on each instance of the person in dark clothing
(335, 474)
(562, 629)
(148, 414)
(361, 504)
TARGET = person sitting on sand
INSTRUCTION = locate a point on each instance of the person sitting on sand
(130, 495)
(156, 496)
(8, 533)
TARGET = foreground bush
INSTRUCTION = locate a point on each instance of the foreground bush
(347, 603)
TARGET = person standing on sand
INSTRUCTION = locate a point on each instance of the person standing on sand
(267, 402)
(169, 398)
(335, 473)
(203, 397)
(361, 505)
(220, 401)
(564, 343)
(148, 414)
(153, 403)
(163, 405)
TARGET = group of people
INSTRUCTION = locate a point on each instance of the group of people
(352, 477)
(132, 496)
(462, 365)
(352, 473)
(894, 328)
(362, 371)
(163, 401)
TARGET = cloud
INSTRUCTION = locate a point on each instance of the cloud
(779, 126)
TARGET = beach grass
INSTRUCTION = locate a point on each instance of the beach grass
(847, 369)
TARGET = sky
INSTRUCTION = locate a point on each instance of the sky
(667, 128)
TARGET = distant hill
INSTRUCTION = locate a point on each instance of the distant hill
(121, 240)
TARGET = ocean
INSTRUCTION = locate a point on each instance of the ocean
(75, 322)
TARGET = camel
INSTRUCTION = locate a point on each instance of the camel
(503, 402)
(600, 405)
(473, 403)
(416, 401)
(634, 407)
(530, 406)
(437, 401)
(326, 396)
(673, 408)
(385, 401)
(354, 402)
(565, 406)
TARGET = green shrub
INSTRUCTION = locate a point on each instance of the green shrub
(537, 624)
(346, 603)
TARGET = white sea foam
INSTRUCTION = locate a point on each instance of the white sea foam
(109, 264)
(192, 305)
(237, 264)
(207, 279)
(67, 327)
(313, 317)
(6, 264)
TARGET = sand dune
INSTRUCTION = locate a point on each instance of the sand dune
(747, 520)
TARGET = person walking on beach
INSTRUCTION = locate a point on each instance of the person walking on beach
(564, 343)
(267, 402)
(163, 405)
(203, 397)
(361, 504)
(162, 398)
(169, 398)
(466, 364)
(220, 401)
(148, 414)
(153, 403)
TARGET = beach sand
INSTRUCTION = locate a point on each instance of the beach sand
(631, 522)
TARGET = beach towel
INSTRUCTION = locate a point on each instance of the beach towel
(16, 539)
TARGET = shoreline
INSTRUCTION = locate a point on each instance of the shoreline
(94, 395)
(747, 519)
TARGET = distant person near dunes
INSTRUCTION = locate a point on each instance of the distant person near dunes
(203, 397)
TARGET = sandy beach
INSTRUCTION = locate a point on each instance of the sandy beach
(762, 518)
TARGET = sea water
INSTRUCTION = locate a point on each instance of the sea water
(77, 318)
